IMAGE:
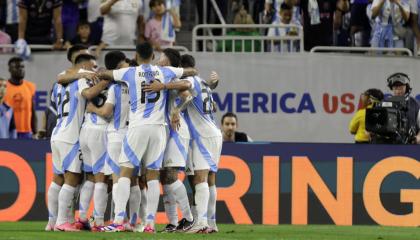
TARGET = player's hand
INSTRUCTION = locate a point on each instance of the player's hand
(175, 120)
(90, 76)
(58, 45)
(154, 86)
(90, 107)
(214, 77)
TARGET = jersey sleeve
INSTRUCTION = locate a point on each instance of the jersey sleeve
(111, 95)
(170, 73)
(124, 74)
(83, 84)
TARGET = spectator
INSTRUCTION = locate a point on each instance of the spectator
(120, 22)
(4, 39)
(160, 30)
(389, 20)
(20, 97)
(83, 36)
(318, 18)
(35, 20)
(267, 16)
(49, 118)
(7, 121)
(414, 20)
(70, 18)
(359, 24)
(95, 19)
(229, 126)
(12, 19)
(284, 19)
(357, 123)
(242, 17)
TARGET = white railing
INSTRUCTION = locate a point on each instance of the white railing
(369, 50)
(210, 43)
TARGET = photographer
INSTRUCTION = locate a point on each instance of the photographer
(396, 119)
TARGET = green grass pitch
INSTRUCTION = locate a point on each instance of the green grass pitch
(34, 231)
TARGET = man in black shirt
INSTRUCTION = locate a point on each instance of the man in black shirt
(229, 126)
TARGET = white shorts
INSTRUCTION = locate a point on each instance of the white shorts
(176, 152)
(114, 145)
(144, 143)
(93, 146)
(205, 154)
(66, 157)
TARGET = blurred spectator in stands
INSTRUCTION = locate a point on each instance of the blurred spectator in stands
(35, 20)
(229, 126)
(83, 36)
(49, 118)
(7, 121)
(242, 17)
(341, 33)
(70, 18)
(390, 16)
(318, 17)
(268, 15)
(359, 24)
(12, 19)
(120, 23)
(357, 123)
(285, 19)
(160, 29)
(20, 96)
(414, 20)
(5, 39)
(95, 19)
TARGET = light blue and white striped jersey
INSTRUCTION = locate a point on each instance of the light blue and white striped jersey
(7, 122)
(118, 97)
(199, 115)
(173, 101)
(12, 14)
(93, 119)
(146, 108)
(71, 107)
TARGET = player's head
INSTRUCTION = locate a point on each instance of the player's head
(16, 68)
(86, 62)
(157, 7)
(229, 124)
(74, 51)
(399, 83)
(170, 57)
(115, 60)
(285, 13)
(83, 29)
(144, 52)
(3, 84)
(187, 61)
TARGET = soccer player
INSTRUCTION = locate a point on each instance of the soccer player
(116, 110)
(175, 156)
(205, 149)
(71, 102)
(146, 136)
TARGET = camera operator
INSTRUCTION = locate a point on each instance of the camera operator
(408, 108)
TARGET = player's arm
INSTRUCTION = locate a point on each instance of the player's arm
(107, 75)
(213, 81)
(72, 75)
(175, 119)
(105, 111)
(90, 93)
(189, 72)
(157, 86)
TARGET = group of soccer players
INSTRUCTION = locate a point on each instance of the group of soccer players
(135, 124)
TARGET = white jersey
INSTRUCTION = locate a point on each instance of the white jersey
(118, 97)
(146, 108)
(93, 119)
(173, 101)
(199, 115)
(71, 107)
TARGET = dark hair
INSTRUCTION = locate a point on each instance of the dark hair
(82, 23)
(285, 6)
(14, 60)
(174, 56)
(73, 49)
(83, 58)
(144, 50)
(153, 3)
(131, 62)
(229, 114)
(374, 93)
(187, 61)
(113, 58)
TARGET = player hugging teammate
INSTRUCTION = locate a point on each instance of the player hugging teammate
(127, 128)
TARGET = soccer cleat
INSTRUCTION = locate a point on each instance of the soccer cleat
(212, 230)
(184, 225)
(113, 228)
(149, 229)
(198, 228)
(139, 228)
(128, 227)
(96, 228)
(169, 229)
(82, 225)
(66, 227)
(49, 227)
